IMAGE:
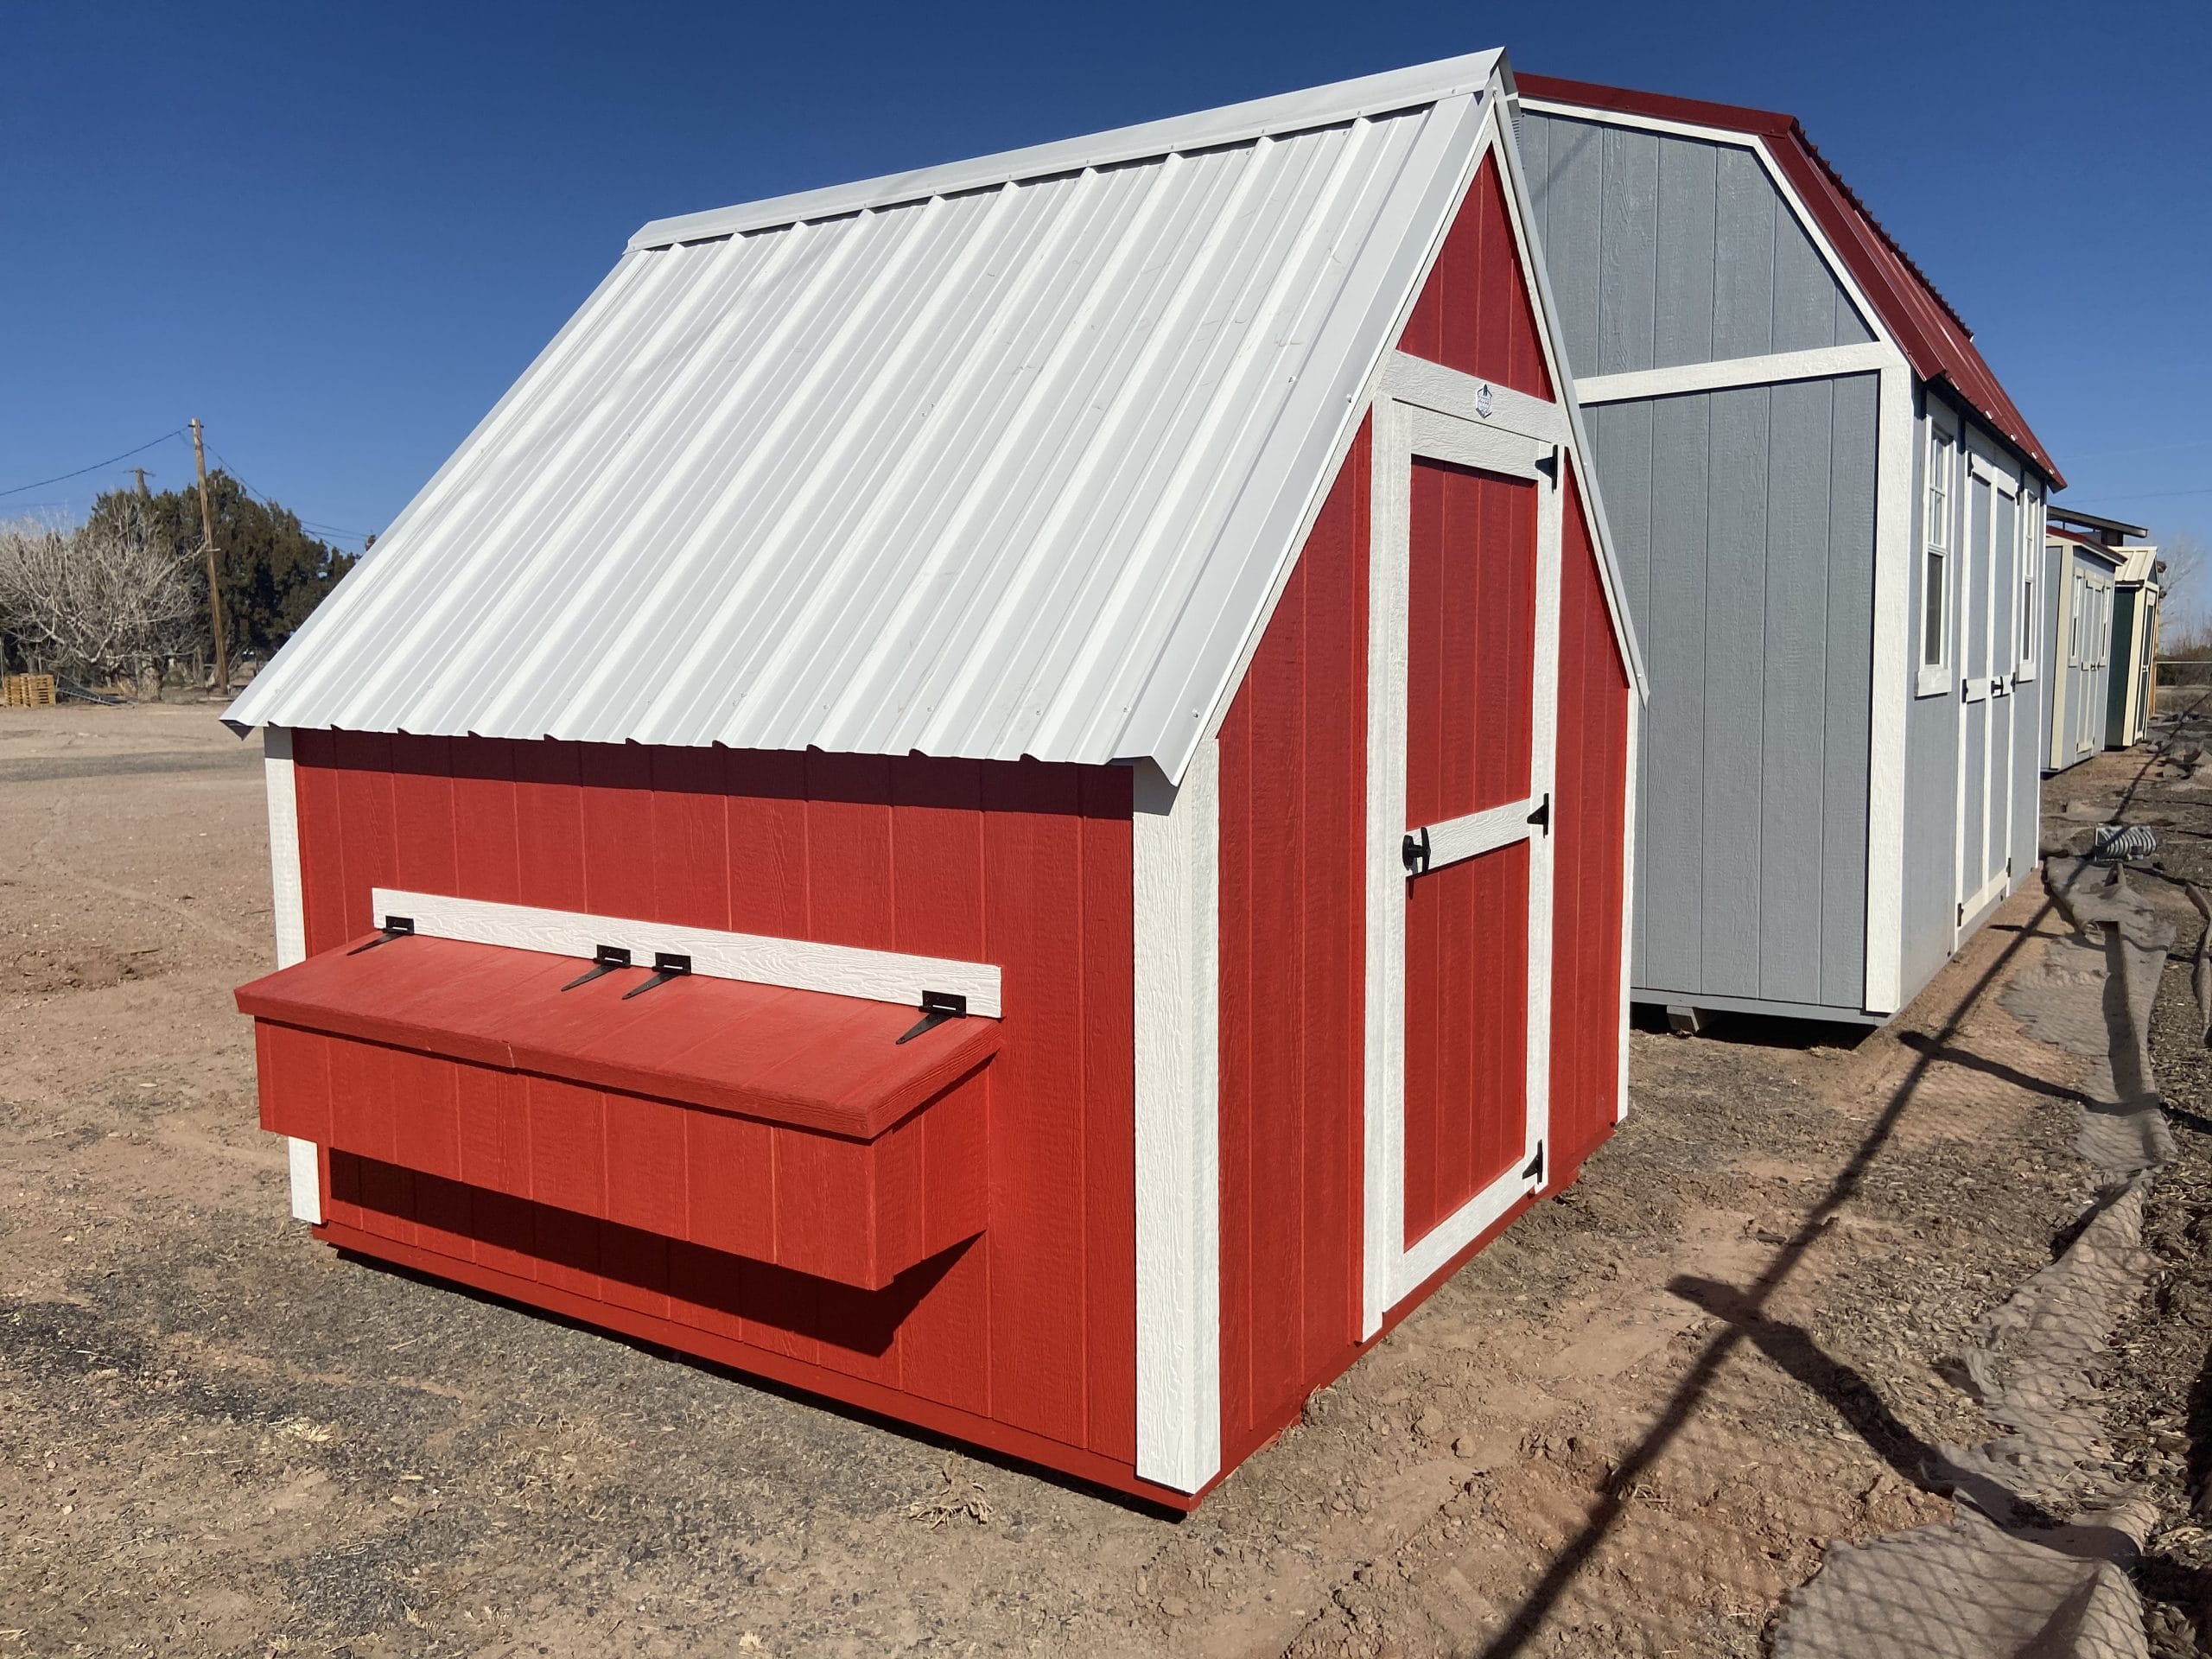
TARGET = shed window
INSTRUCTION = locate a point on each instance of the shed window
(1942, 458)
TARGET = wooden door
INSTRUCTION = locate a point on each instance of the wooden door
(1464, 600)
(1988, 664)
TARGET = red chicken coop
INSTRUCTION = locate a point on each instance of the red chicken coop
(999, 794)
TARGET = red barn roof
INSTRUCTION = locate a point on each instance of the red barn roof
(1936, 340)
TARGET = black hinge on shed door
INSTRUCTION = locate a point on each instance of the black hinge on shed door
(1543, 815)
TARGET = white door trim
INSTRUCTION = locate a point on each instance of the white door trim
(1391, 1270)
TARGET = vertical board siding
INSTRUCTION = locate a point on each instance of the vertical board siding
(1665, 250)
(1467, 1030)
(1472, 640)
(1744, 522)
(1020, 864)
(1292, 945)
(1474, 312)
(1589, 817)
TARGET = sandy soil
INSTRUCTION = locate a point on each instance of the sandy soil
(1628, 1428)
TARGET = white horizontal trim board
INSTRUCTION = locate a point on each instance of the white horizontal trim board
(1774, 368)
(1176, 853)
(289, 911)
(796, 964)
(1408, 379)
(1478, 832)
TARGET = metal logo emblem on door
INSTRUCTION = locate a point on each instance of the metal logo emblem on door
(1484, 401)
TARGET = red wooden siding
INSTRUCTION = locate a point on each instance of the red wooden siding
(1589, 825)
(1472, 641)
(1294, 761)
(1475, 314)
(1467, 1030)
(1026, 866)
(859, 1211)
(1470, 702)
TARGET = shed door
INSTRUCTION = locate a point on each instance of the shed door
(1465, 626)
(1988, 660)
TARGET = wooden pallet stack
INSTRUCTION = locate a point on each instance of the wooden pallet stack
(27, 691)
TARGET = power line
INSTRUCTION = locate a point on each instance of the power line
(270, 502)
(96, 465)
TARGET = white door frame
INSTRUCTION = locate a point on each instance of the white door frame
(1518, 437)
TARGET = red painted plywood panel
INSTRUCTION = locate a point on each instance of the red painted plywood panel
(1590, 809)
(902, 854)
(1292, 823)
(1475, 312)
(1470, 645)
(1467, 1030)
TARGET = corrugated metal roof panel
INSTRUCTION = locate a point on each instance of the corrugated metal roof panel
(1007, 470)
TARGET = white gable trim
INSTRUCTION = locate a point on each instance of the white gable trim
(1770, 368)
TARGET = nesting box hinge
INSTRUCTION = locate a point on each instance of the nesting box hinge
(1414, 851)
(395, 927)
(605, 959)
(938, 1007)
(667, 965)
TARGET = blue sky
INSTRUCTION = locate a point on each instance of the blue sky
(337, 233)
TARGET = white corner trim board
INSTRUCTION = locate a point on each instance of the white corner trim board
(1176, 849)
(796, 964)
(1773, 368)
(1896, 682)
(289, 912)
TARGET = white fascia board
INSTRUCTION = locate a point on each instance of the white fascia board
(1175, 849)
(1773, 368)
(1894, 683)
(1298, 111)
(289, 910)
(795, 964)
(1562, 378)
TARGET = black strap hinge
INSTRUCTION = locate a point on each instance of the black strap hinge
(395, 927)
(667, 965)
(938, 1007)
(1543, 815)
(1414, 851)
(1534, 1169)
(605, 959)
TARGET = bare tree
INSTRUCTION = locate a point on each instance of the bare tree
(105, 601)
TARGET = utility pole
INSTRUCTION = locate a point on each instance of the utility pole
(207, 531)
(144, 494)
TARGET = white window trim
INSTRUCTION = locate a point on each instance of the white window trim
(1934, 679)
(2028, 590)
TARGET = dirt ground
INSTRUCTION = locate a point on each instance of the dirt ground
(1628, 1428)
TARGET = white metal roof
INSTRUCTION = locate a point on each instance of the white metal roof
(995, 460)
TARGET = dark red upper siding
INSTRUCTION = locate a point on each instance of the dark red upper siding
(1474, 313)
(1293, 817)
(1934, 339)
(1026, 866)
(1589, 828)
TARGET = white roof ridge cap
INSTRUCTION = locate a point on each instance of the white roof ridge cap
(1389, 92)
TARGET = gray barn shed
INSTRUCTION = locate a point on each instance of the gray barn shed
(2079, 574)
(1830, 516)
